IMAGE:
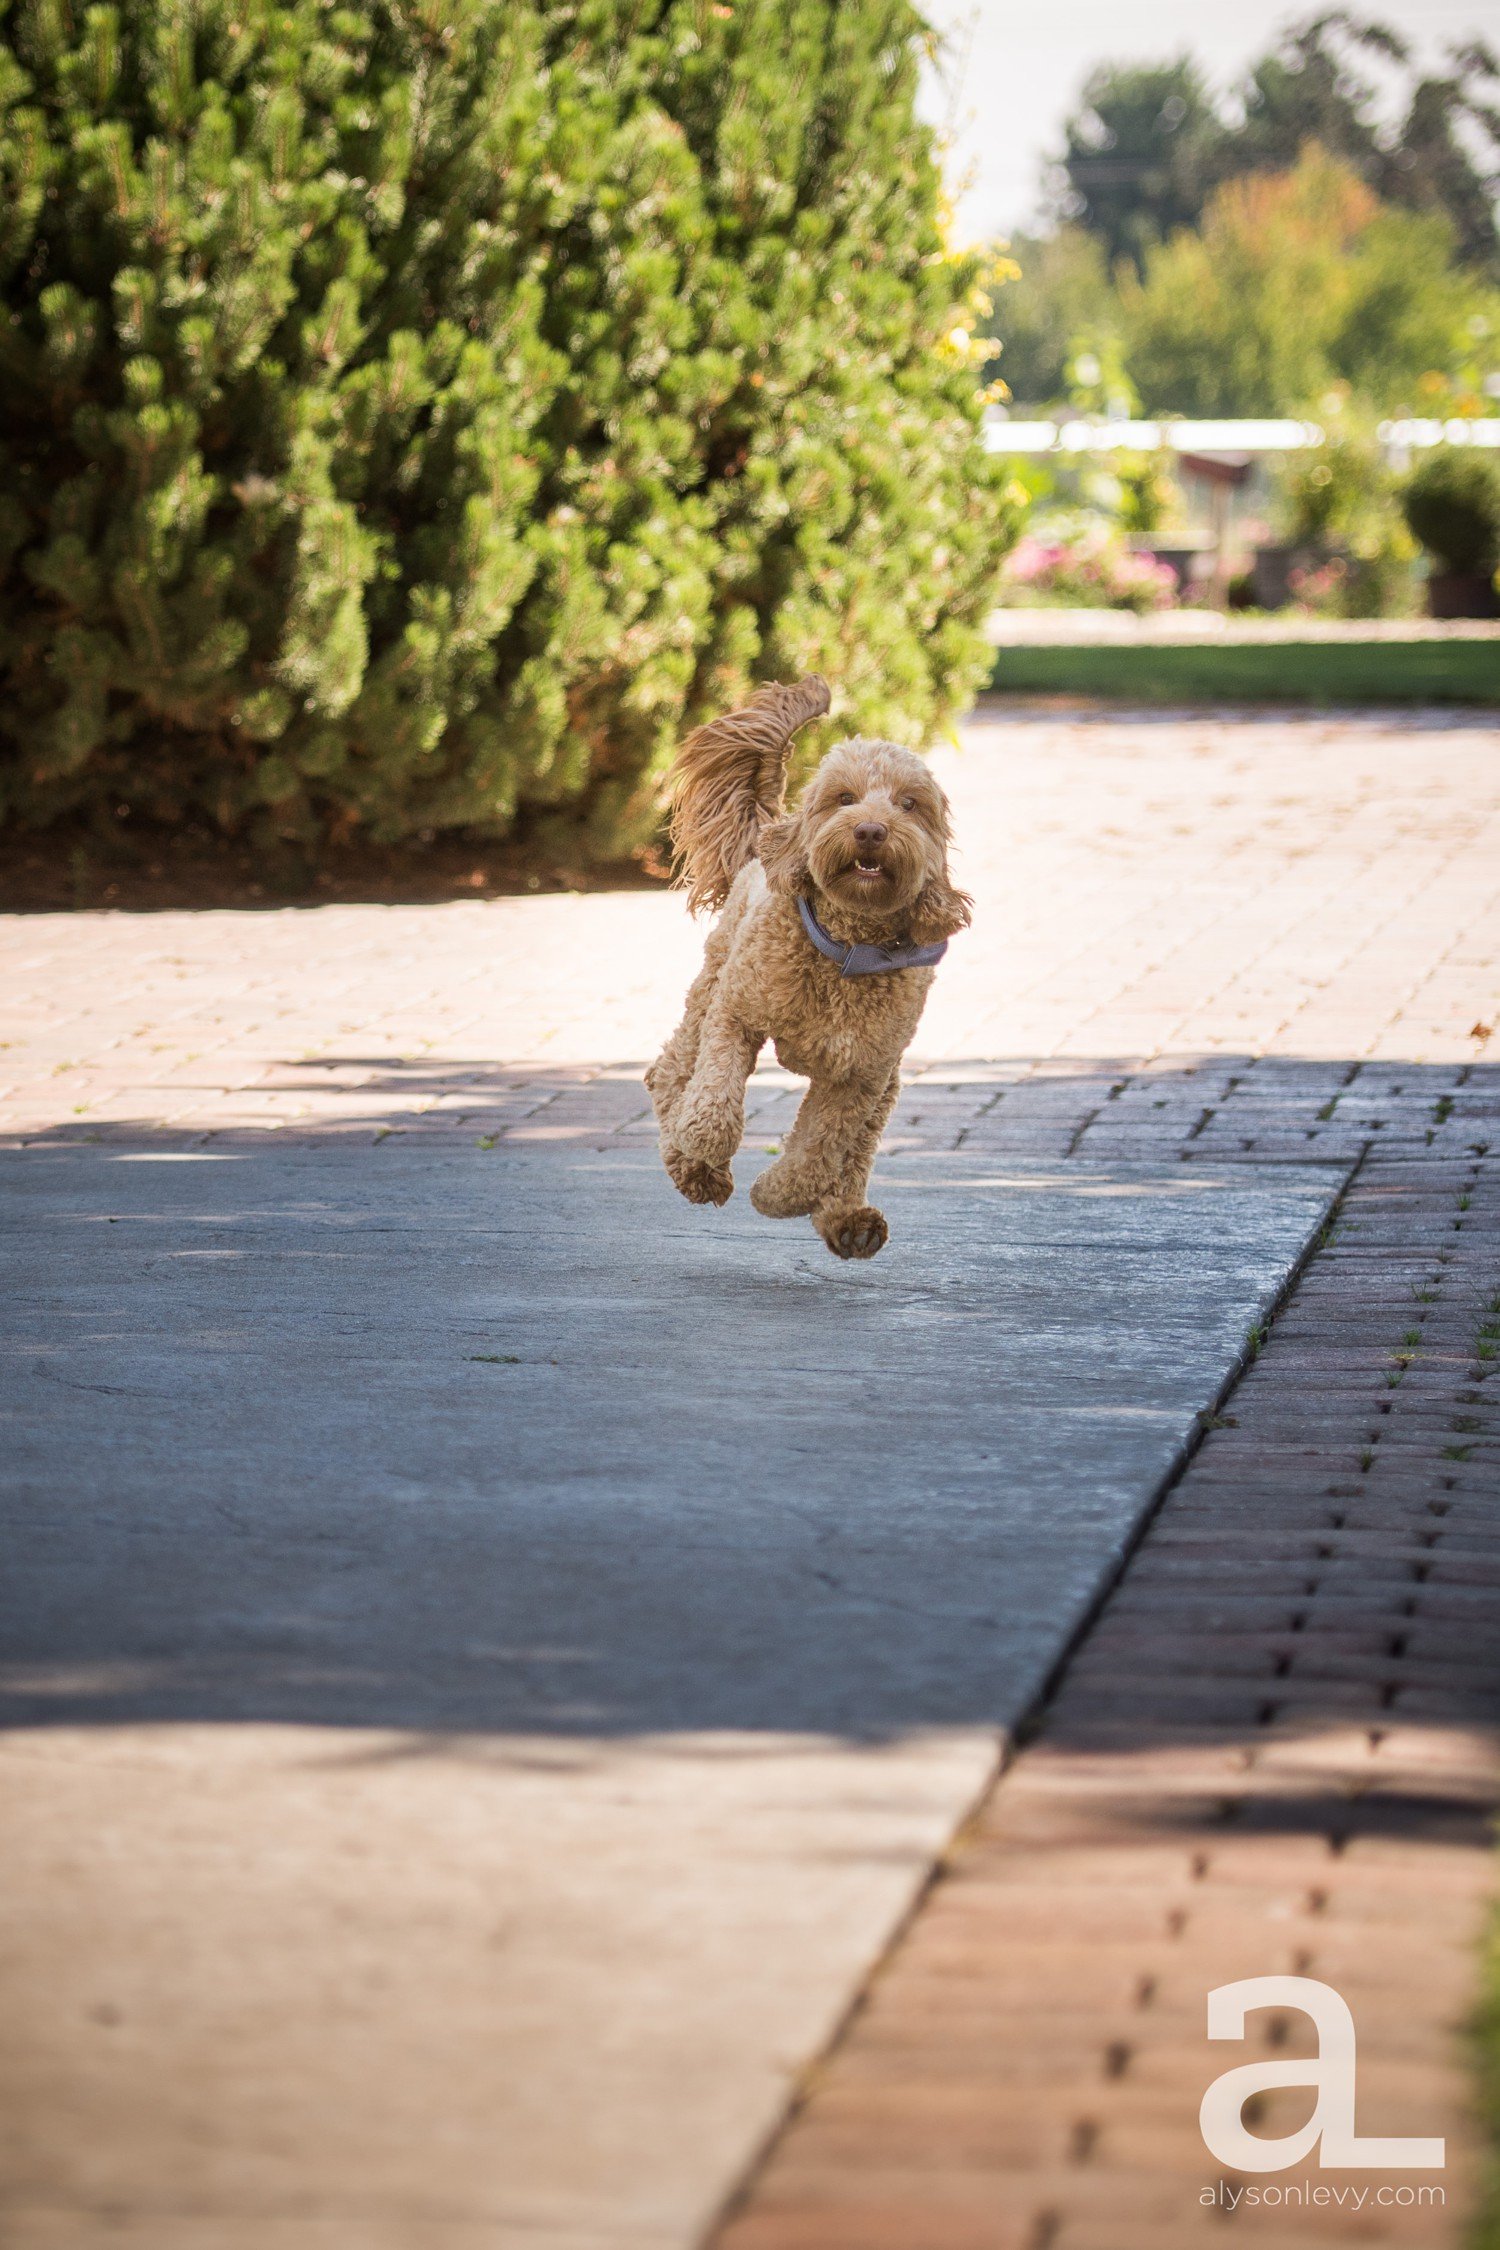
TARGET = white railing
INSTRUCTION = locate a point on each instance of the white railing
(1481, 430)
(1082, 435)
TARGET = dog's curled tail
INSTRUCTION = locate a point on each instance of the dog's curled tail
(730, 779)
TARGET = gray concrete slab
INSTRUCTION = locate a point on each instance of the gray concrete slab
(491, 1651)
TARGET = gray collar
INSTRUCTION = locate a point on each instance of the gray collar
(867, 960)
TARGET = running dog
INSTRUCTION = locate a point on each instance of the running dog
(833, 916)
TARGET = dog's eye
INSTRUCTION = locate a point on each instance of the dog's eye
(908, 804)
(846, 796)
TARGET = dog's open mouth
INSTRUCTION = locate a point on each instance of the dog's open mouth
(868, 871)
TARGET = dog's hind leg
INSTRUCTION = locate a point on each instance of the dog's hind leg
(707, 1122)
(668, 1079)
(829, 1149)
(675, 1065)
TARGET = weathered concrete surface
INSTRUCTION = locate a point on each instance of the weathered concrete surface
(387, 1439)
(385, 1990)
(493, 1651)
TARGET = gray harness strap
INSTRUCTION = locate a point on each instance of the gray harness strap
(867, 960)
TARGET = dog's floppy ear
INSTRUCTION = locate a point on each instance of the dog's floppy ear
(782, 852)
(940, 911)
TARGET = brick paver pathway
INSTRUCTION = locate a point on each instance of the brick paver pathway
(1276, 1752)
(1233, 940)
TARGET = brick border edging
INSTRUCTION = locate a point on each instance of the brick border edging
(1082, 1787)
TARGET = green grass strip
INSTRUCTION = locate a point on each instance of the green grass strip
(1485, 2234)
(1275, 671)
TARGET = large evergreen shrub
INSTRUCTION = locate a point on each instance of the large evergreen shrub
(417, 411)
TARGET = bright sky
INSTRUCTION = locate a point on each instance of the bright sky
(1012, 71)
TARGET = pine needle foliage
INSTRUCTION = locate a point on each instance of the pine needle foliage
(416, 413)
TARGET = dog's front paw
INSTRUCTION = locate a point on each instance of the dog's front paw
(855, 1230)
(700, 1183)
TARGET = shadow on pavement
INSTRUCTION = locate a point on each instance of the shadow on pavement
(414, 1436)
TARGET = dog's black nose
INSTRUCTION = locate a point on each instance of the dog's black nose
(870, 832)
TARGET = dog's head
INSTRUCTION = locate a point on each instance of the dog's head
(870, 833)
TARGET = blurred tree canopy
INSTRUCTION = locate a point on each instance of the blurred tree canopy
(1296, 282)
(1241, 257)
(1062, 300)
(1293, 282)
(1144, 152)
(1149, 145)
(416, 412)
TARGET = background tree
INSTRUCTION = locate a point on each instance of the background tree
(1315, 85)
(415, 412)
(1063, 299)
(1432, 165)
(1143, 152)
(1297, 282)
(1293, 283)
(1149, 145)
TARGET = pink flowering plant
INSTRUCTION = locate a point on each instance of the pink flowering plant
(1319, 589)
(1092, 571)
